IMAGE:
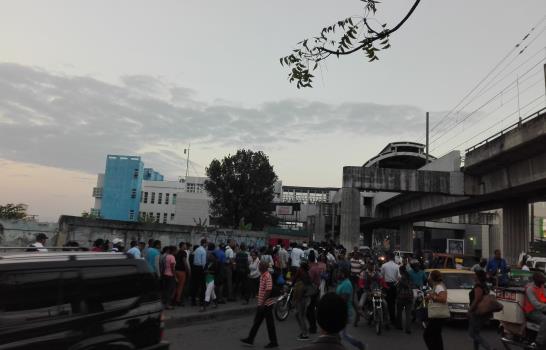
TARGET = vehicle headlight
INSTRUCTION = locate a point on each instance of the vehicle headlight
(459, 306)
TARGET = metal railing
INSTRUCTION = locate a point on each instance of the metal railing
(507, 129)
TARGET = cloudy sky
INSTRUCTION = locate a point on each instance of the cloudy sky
(83, 79)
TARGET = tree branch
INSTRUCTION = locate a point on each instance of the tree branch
(372, 39)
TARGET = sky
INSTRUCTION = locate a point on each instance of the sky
(83, 79)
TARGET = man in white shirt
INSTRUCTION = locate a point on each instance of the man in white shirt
(391, 274)
(41, 239)
(230, 266)
(134, 251)
(295, 258)
(283, 258)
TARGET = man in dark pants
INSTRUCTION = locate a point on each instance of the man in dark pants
(199, 263)
(391, 274)
(264, 310)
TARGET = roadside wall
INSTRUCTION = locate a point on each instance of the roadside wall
(21, 233)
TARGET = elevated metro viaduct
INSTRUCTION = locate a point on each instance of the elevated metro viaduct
(507, 170)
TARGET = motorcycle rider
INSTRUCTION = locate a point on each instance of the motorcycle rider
(416, 275)
(534, 307)
(370, 279)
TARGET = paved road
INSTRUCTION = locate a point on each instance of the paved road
(225, 335)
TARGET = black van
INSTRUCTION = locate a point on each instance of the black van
(78, 301)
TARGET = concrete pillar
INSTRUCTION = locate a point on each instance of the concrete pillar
(515, 230)
(350, 218)
(320, 223)
(406, 236)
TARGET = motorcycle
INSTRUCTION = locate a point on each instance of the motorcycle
(515, 330)
(284, 303)
(420, 306)
(375, 311)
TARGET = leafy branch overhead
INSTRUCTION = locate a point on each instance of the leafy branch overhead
(356, 33)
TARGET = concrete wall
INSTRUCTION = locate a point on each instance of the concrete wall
(21, 233)
(85, 231)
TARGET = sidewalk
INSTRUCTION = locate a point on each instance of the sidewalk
(187, 315)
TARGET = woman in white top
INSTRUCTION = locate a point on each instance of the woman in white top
(433, 333)
(254, 274)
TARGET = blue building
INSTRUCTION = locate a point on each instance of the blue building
(121, 188)
(152, 175)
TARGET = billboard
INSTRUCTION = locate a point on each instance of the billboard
(455, 246)
(284, 210)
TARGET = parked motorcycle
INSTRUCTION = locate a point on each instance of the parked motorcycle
(284, 303)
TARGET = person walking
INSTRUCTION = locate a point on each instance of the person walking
(433, 331)
(302, 295)
(264, 310)
(182, 272)
(316, 270)
(391, 274)
(476, 322)
(345, 291)
(404, 301)
(296, 254)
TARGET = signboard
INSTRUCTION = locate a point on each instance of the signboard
(284, 210)
(455, 246)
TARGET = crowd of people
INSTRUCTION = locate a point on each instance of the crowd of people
(331, 286)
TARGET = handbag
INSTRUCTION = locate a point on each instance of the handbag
(438, 310)
(488, 305)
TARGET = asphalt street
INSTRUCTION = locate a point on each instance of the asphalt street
(225, 335)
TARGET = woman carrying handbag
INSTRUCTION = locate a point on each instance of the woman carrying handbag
(438, 312)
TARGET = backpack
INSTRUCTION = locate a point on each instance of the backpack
(404, 294)
(278, 282)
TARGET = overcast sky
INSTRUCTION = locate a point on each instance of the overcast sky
(83, 79)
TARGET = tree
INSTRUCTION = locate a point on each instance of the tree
(89, 215)
(13, 211)
(241, 188)
(357, 33)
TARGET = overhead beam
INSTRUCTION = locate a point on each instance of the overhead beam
(403, 180)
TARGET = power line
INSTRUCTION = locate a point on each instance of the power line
(487, 75)
(507, 88)
(539, 97)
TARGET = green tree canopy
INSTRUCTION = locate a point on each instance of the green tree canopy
(361, 33)
(241, 188)
(13, 211)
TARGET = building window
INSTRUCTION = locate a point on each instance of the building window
(135, 174)
(145, 197)
(142, 215)
(166, 198)
(164, 218)
(133, 193)
(199, 188)
(157, 217)
(190, 187)
(151, 216)
(153, 198)
(174, 198)
(172, 216)
(131, 214)
(159, 198)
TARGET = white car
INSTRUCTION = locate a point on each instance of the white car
(459, 283)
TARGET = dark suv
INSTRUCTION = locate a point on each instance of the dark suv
(78, 301)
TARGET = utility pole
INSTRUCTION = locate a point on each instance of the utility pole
(427, 145)
(187, 152)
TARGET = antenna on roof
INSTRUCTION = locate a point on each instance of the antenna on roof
(187, 152)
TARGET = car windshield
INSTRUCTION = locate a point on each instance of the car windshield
(459, 280)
